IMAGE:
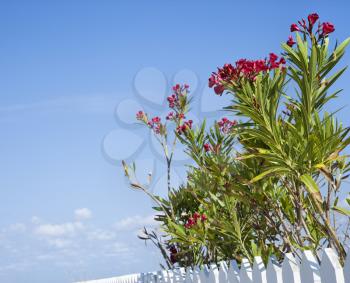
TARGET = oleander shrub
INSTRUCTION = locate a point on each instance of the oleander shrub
(270, 182)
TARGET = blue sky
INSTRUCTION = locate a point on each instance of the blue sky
(72, 74)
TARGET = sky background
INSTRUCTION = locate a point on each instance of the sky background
(72, 75)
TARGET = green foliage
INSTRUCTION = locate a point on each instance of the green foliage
(270, 184)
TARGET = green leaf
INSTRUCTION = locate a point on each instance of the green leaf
(341, 210)
(310, 184)
(267, 172)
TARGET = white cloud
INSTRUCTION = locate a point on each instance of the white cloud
(101, 235)
(135, 222)
(58, 230)
(82, 213)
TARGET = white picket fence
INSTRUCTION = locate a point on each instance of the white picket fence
(290, 271)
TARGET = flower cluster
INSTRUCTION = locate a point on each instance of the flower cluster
(179, 103)
(184, 127)
(172, 116)
(141, 116)
(225, 125)
(180, 91)
(306, 27)
(192, 221)
(155, 124)
(243, 68)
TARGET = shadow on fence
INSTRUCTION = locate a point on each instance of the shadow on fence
(290, 271)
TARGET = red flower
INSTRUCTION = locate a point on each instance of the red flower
(312, 18)
(219, 89)
(207, 147)
(183, 128)
(294, 27)
(140, 115)
(273, 57)
(212, 81)
(176, 87)
(156, 120)
(190, 223)
(290, 41)
(196, 216)
(327, 28)
(180, 115)
(203, 217)
(225, 125)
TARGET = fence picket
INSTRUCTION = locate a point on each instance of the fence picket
(290, 269)
(233, 272)
(171, 276)
(196, 277)
(188, 276)
(214, 273)
(331, 270)
(259, 270)
(274, 271)
(165, 277)
(309, 270)
(223, 270)
(203, 274)
(245, 274)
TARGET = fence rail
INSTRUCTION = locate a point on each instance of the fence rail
(290, 271)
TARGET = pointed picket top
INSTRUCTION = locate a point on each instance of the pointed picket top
(290, 269)
(347, 268)
(274, 271)
(203, 274)
(309, 268)
(331, 269)
(246, 273)
(213, 273)
(259, 270)
(223, 270)
(195, 275)
(233, 272)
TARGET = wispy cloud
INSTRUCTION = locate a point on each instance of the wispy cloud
(74, 245)
(83, 213)
(58, 230)
(135, 222)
